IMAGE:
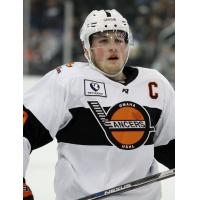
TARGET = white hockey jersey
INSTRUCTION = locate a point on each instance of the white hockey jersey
(106, 130)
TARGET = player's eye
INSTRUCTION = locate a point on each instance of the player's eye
(119, 40)
(102, 41)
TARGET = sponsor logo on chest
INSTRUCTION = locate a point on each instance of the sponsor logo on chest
(94, 88)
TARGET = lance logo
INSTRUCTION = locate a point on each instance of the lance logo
(126, 125)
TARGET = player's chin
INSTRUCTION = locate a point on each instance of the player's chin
(115, 65)
(113, 69)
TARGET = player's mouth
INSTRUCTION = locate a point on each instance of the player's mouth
(113, 58)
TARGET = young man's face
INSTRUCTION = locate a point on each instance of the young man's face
(109, 51)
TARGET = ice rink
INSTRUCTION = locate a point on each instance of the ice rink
(40, 173)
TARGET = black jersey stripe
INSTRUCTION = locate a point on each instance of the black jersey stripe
(84, 129)
(35, 132)
(165, 154)
(154, 114)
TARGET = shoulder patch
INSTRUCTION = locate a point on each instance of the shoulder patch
(58, 69)
(69, 64)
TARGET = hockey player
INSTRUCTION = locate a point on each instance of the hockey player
(111, 121)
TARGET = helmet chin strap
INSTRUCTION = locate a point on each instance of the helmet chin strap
(91, 64)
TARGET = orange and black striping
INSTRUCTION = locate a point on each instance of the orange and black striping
(77, 131)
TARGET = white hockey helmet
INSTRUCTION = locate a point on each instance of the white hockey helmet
(103, 20)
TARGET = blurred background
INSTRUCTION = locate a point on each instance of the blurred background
(51, 32)
(51, 38)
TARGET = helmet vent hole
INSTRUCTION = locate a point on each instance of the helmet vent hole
(115, 25)
(106, 26)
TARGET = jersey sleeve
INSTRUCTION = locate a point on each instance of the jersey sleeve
(165, 128)
(44, 112)
(164, 139)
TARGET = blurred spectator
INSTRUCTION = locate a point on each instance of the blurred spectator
(45, 51)
(53, 15)
(165, 62)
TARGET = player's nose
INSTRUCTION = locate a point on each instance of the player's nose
(113, 46)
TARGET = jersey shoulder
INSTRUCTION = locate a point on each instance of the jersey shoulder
(150, 73)
(69, 71)
(153, 76)
(72, 68)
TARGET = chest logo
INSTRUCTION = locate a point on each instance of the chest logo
(94, 88)
(126, 125)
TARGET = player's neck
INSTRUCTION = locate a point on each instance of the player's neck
(120, 77)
